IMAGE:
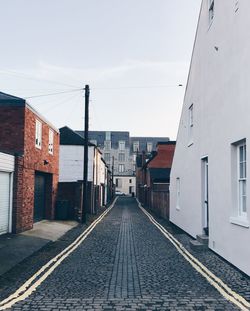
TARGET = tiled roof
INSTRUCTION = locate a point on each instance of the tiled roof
(7, 100)
(70, 137)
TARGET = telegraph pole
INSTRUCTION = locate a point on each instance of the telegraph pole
(86, 146)
(113, 159)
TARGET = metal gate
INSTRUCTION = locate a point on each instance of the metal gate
(4, 202)
(39, 198)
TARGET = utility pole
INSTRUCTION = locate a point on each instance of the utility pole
(113, 159)
(86, 147)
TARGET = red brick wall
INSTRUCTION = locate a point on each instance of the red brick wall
(18, 195)
(17, 135)
(164, 157)
(34, 157)
(11, 129)
(32, 162)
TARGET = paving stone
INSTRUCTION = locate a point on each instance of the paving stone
(126, 264)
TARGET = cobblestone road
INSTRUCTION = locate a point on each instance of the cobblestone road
(125, 264)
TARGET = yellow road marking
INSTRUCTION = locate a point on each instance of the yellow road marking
(31, 285)
(217, 283)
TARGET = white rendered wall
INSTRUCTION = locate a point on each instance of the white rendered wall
(218, 87)
(71, 163)
(126, 183)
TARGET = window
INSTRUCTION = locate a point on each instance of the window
(121, 168)
(134, 157)
(121, 157)
(190, 123)
(242, 180)
(122, 145)
(130, 181)
(136, 146)
(107, 157)
(211, 10)
(149, 147)
(108, 135)
(178, 193)
(51, 141)
(38, 142)
(118, 182)
(107, 145)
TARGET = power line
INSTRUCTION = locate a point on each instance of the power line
(30, 77)
(137, 87)
(52, 94)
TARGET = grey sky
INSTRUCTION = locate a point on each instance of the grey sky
(107, 44)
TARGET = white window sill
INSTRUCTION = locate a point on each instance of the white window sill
(38, 147)
(243, 222)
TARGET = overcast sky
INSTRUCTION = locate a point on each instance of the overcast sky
(132, 53)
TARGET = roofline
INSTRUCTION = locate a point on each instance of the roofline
(170, 142)
(190, 66)
(146, 164)
(41, 117)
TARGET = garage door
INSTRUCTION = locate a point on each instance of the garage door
(39, 204)
(4, 202)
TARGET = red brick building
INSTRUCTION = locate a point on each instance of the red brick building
(153, 178)
(35, 144)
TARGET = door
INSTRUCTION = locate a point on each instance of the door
(205, 197)
(4, 202)
(39, 198)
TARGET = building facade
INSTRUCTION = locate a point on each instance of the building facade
(71, 174)
(119, 150)
(209, 180)
(35, 144)
(153, 178)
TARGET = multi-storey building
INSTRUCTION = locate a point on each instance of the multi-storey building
(119, 151)
(34, 144)
(209, 179)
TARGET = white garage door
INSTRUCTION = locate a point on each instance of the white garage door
(4, 202)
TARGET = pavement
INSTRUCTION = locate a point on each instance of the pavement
(14, 248)
(125, 263)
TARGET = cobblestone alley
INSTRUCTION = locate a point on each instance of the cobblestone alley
(126, 263)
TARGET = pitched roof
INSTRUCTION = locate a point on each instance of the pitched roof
(7, 100)
(70, 137)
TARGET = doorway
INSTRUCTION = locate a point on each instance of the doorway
(39, 197)
(205, 198)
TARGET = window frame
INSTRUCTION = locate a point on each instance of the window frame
(107, 156)
(121, 157)
(151, 147)
(38, 134)
(107, 145)
(137, 144)
(51, 141)
(122, 145)
(121, 166)
(242, 180)
(178, 192)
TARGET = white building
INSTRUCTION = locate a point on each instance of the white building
(125, 184)
(71, 165)
(209, 186)
(7, 163)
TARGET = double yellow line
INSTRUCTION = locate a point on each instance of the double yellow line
(217, 283)
(41, 275)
